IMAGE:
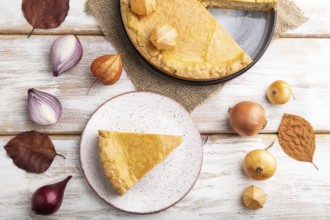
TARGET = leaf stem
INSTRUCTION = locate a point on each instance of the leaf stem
(61, 156)
(294, 98)
(315, 165)
(270, 144)
(31, 32)
(91, 86)
(206, 139)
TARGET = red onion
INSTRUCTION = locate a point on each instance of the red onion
(44, 108)
(48, 199)
(66, 52)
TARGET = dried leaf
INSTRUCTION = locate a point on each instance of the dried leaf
(45, 14)
(297, 138)
(31, 151)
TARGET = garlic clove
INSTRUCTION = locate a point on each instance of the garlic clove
(66, 52)
(44, 108)
(143, 7)
(254, 197)
(164, 37)
(108, 68)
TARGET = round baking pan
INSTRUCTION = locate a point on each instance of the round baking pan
(252, 30)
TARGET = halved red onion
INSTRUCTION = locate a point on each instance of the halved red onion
(66, 52)
(44, 108)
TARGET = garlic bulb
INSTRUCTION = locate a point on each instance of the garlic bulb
(143, 7)
(164, 37)
(66, 52)
(44, 109)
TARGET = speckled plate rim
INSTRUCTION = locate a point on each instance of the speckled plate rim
(260, 52)
(149, 212)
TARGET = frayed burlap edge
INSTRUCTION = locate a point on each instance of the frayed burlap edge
(289, 17)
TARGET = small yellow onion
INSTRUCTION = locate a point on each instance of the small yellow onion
(247, 118)
(260, 164)
(279, 92)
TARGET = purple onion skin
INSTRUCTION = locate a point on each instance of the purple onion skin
(60, 66)
(35, 97)
(48, 199)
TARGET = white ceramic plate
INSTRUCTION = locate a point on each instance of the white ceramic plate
(146, 112)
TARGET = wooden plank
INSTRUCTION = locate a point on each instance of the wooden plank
(318, 24)
(24, 64)
(296, 191)
(77, 22)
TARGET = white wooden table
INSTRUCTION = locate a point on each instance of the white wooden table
(297, 191)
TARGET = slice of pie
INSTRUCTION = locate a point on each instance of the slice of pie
(250, 5)
(204, 49)
(127, 157)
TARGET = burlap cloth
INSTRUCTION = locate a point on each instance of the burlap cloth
(190, 96)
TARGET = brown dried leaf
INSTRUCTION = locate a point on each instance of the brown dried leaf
(31, 151)
(45, 14)
(297, 138)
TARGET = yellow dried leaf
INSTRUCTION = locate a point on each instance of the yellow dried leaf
(297, 138)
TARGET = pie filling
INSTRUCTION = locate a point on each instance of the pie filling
(128, 157)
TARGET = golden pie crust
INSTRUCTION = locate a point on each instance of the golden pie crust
(204, 50)
(127, 157)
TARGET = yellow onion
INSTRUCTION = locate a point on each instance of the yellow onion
(247, 118)
(259, 164)
(279, 92)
